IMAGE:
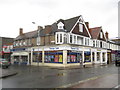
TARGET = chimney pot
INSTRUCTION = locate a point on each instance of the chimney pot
(87, 24)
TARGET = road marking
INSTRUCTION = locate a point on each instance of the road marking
(92, 78)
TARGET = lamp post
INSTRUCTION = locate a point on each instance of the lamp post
(38, 42)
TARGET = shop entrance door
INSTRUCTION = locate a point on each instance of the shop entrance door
(79, 58)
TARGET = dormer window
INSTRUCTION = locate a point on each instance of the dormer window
(60, 25)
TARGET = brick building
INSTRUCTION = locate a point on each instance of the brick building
(6, 44)
(64, 43)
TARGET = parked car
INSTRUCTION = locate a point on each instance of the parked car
(117, 62)
(117, 58)
(4, 63)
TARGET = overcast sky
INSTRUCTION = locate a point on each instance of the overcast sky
(15, 14)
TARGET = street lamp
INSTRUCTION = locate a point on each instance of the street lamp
(38, 42)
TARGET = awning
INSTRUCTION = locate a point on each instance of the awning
(20, 54)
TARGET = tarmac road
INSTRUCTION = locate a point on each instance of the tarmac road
(46, 77)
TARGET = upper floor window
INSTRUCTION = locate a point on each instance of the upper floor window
(70, 38)
(93, 43)
(29, 41)
(86, 41)
(38, 40)
(65, 38)
(60, 37)
(80, 27)
(20, 43)
(60, 25)
(101, 35)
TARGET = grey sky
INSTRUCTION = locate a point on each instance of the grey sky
(21, 13)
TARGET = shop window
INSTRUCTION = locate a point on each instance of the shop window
(37, 56)
(98, 56)
(93, 56)
(74, 57)
(87, 56)
(53, 57)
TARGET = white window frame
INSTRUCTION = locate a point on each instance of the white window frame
(101, 35)
(29, 41)
(38, 40)
(80, 27)
(59, 38)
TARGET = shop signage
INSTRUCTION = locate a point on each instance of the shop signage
(54, 48)
(98, 50)
(19, 49)
(74, 48)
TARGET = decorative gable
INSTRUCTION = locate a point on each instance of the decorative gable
(80, 28)
(101, 36)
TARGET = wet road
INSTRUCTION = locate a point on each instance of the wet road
(45, 77)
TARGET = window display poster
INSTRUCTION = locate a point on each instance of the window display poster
(68, 58)
(52, 58)
(72, 58)
(56, 58)
(46, 58)
(49, 58)
(60, 58)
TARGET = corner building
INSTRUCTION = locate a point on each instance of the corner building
(64, 43)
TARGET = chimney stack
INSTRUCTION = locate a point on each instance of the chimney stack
(87, 24)
(48, 29)
(106, 34)
(21, 31)
(40, 27)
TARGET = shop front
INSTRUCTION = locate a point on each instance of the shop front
(87, 56)
(60, 56)
(99, 56)
(20, 56)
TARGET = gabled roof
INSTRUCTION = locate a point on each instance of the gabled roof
(27, 35)
(95, 32)
(68, 26)
(69, 23)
